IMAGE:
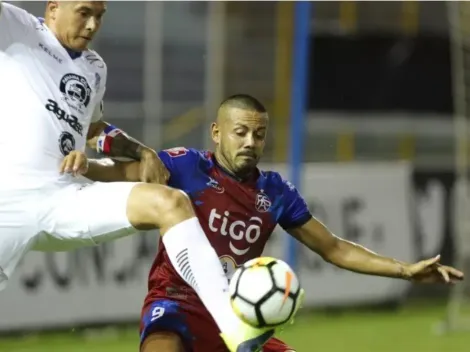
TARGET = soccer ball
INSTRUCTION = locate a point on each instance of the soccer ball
(265, 292)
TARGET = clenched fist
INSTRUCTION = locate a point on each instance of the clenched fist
(75, 163)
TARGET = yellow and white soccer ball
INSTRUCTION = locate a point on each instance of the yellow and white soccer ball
(265, 292)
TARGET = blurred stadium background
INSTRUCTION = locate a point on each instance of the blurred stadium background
(384, 149)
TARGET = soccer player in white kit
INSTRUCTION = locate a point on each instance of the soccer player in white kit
(51, 93)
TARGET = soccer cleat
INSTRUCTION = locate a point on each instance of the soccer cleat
(250, 339)
(247, 338)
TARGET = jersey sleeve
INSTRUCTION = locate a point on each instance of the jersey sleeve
(180, 162)
(295, 210)
(15, 23)
(101, 75)
(97, 111)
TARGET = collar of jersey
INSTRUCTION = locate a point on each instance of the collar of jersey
(251, 179)
(73, 54)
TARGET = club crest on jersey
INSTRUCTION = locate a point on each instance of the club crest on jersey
(215, 185)
(66, 143)
(263, 203)
(176, 152)
(76, 91)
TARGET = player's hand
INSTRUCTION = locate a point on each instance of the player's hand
(152, 169)
(76, 163)
(431, 271)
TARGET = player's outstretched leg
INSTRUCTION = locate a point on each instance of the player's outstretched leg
(192, 256)
(162, 342)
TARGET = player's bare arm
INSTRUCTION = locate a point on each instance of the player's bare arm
(352, 256)
(102, 170)
(113, 142)
(122, 144)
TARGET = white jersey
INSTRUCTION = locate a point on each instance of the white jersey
(47, 98)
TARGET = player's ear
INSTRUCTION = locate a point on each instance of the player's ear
(215, 133)
(51, 8)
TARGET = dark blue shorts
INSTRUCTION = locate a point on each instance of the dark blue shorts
(166, 315)
(193, 325)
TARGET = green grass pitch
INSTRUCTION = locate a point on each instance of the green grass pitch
(409, 329)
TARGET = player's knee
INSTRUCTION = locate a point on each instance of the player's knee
(173, 205)
(162, 341)
(177, 200)
(156, 206)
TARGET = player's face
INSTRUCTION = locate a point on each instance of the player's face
(241, 138)
(76, 22)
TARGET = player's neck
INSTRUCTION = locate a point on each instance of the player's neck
(72, 53)
(222, 164)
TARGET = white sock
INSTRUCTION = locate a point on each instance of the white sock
(197, 263)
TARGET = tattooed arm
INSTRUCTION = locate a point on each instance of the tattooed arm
(119, 145)
(113, 142)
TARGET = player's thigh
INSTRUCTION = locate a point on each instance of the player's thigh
(162, 341)
(18, 230)
(164, 326)
(276, 345)
(84, 214)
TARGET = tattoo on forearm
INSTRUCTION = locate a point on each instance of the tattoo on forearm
(126, 146)
(114, 142)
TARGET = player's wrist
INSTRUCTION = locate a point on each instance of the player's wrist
(403, 271)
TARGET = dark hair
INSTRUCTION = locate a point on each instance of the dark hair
(243, 101)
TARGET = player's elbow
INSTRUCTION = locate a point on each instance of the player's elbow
(320, 240)
(333, 251)
(340, 252)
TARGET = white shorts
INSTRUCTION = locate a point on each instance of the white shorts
(60, 218)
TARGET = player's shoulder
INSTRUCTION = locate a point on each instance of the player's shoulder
(15, 15)
(179, 152)
(96, 62)
(187, 154)
(272, 177)
(275, 180)
(10, 9)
